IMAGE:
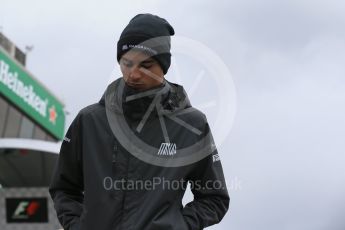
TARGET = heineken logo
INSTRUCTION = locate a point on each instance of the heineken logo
(31, 97)
(26, 92)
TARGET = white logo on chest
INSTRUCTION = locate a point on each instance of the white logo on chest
(167, 149)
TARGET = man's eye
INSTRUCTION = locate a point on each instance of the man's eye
(127, 64)
(146, 66)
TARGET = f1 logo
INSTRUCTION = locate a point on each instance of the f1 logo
(26, 209)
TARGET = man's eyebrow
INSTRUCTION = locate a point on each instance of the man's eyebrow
(125, 59)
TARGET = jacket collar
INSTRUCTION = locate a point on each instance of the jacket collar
(169, 97)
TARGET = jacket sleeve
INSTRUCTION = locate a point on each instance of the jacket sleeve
(66, 188)
(211, 198)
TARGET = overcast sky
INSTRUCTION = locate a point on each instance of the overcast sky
(282, 148)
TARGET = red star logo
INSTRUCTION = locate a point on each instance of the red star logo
(52, 114)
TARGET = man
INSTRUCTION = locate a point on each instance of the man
(126, 160)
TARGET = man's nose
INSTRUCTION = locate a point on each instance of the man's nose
(135, 73)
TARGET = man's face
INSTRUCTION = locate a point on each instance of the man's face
(140, 71)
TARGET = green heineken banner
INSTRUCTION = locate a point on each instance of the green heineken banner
(31, 97)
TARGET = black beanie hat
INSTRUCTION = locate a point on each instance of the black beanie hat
(150, 34)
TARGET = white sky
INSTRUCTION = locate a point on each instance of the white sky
(284, 155)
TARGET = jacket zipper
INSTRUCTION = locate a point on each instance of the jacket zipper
(124, 195)
(114, 154)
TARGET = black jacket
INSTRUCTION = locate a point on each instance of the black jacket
(99, 184)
